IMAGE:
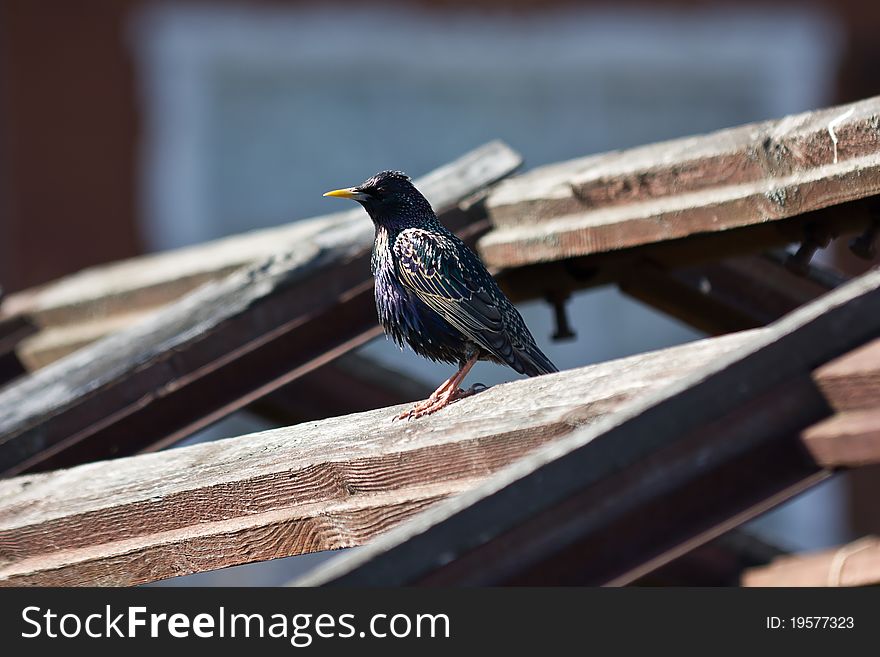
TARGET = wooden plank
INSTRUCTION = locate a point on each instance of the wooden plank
(350, 384)
(218, 544)
(221, 347)
(55, 342)
(732, 178)
(629, 493)
(855, 564)
(150, 281)
(846, 440)
(366, 384)
(580, 272)
(91, 523)
(852, 382)
(731, 295)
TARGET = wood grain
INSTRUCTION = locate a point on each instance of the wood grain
(852, 382)
(221, 543)
(91, 516)
(855, 564)
(846, 440)
(743, 176)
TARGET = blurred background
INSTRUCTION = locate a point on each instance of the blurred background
(130, 126)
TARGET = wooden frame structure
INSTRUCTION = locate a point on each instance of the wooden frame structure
(608, 474)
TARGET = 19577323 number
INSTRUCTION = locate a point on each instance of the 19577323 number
(810, 623)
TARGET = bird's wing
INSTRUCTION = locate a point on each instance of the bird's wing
(442, 272)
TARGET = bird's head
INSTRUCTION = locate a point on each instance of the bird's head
(390, 199)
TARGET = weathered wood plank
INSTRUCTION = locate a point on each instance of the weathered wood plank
(55, 342)
(852, 382)
(855, 564)
(366, 384)
(222, 543)
(846, 440)
(729, 179)
(642, 486)
(95, 520)
(150, 281)
(228, 343)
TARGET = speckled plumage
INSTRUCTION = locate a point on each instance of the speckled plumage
(432, 292)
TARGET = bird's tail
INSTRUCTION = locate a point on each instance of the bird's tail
(531, 361)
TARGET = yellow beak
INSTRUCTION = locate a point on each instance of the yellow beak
(348, 192)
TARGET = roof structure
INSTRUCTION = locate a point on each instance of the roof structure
(612, 474)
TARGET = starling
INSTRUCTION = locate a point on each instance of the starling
(434, 294)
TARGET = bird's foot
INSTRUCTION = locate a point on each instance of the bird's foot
(435, 402)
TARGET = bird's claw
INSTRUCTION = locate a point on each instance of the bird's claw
(434, 403)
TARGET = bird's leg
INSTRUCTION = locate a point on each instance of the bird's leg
(430, 401)
(447, 393)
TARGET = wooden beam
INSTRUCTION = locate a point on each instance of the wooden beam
(704, 249)
(54, 342)
(852, 382)
(731, 295)
(224, 345)
(150, 281)
(750, 175)
(846, 440)
(855, 564)
(313, 486)
(629, 493)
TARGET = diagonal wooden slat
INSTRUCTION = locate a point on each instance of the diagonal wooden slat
(670, 471)
(313, 486)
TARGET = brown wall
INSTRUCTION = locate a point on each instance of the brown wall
(69, 129)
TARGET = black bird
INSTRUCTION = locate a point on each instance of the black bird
(434, 294)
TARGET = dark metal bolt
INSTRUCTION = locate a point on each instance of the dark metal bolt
(814, 239)
(563, 329)
(865, 245)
